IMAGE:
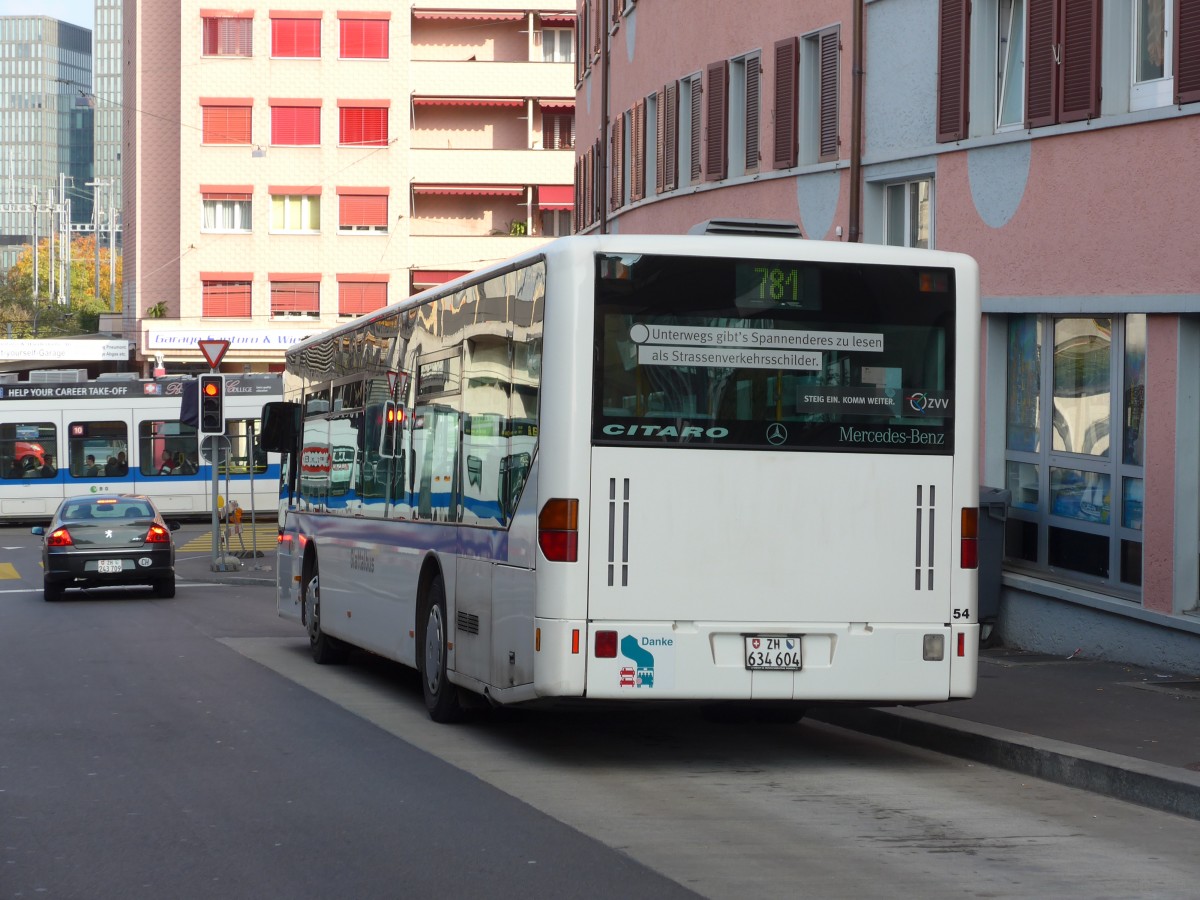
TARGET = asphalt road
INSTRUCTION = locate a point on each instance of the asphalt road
(189, 748)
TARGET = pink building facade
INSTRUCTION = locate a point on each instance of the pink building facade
(1061, 151)
(288, 168)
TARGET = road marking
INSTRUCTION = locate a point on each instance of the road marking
(8, 570)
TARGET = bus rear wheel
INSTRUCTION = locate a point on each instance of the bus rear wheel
(325, 650)
(441, 697)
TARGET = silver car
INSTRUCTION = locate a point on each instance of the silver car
(99, 540)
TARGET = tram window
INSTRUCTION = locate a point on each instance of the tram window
(167, 448)
(28, 450)
(98, 449)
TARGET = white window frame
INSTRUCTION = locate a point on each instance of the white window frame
(558, 45)
(242, 214)
(1155, 92)
(302, 202)
(906, 187)
(1006, 31)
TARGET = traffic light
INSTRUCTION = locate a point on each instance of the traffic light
(212, 405)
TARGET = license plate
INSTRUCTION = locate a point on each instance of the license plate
(109, 566)
(773, 652)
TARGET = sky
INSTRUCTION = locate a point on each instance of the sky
(77, 12)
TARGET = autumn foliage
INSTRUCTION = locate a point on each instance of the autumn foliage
(21, 315)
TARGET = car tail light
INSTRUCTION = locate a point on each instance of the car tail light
(158, 535)
(558, 530)
(60, 537)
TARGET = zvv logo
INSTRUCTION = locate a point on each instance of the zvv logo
(922, 403)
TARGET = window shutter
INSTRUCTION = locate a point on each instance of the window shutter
(295, 126)
(296, 37)
(597, 25)
(954, 31)
(1041, 67)
(1187, 51)
(364, 38)
(637, 151)
(716, 157)
(616, 162)
(660, 115)
(753, 90)
(227, 124)
(671, 137)
(363, 126)
(295, 296)
(224, 299)
(362, 210)
(694, 137)
(829, 50)
(787, 83)
(1079, 96)
(358, 297)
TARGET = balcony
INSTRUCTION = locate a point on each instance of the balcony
(441, 78)
(515, 167)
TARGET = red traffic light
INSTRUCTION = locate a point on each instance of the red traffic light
(211, 389)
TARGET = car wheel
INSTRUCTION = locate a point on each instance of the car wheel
(52, 592)
(441, 697)
(325, 649)
(165, 588)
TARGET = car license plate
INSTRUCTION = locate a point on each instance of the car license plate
(109, 566)
(773, 652)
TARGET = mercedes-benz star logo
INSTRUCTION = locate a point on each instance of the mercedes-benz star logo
(776, 434)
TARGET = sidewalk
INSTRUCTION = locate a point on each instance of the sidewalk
(1117, 730)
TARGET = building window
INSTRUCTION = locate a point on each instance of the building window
(358, 297)
(363, 212)
(230, 36)
(226, 298)
(296, 126)
(1076, 473)
(744, 114)
(1063, 62)
(297, 298)
(1010, 64)
(227, 124)
(908, 214)
(821, 61)
(364, 38)
(296, 212)
(558, 45)
(787, 87)
(296, 38)
(363, 126)
(556, 222)
(1152, 54)
(227, 212)
(558, 130)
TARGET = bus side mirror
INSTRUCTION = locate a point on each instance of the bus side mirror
(280, 426)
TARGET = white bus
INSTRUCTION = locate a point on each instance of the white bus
(58, 439)
(733, 469)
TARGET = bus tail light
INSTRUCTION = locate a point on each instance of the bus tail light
(969, 551)
(606, 645)
(60, 537)
(558, 530)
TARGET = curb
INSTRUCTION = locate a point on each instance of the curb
(1165, 788)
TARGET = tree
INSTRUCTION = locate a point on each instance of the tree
(26, 318)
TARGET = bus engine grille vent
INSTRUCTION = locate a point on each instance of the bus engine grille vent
(618, 532)
(468, 623)
(924, 531)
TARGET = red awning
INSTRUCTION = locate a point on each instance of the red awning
(549, 21)
(494, 190)
(433, 277)
(556, 105)
(475, 15)
(467, 101)
(556, 196)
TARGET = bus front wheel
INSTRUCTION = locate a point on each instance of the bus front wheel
(441, 697)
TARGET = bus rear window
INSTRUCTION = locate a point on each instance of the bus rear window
(773, 354)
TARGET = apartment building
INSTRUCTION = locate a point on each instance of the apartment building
(1055, 141)
(285, 169)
